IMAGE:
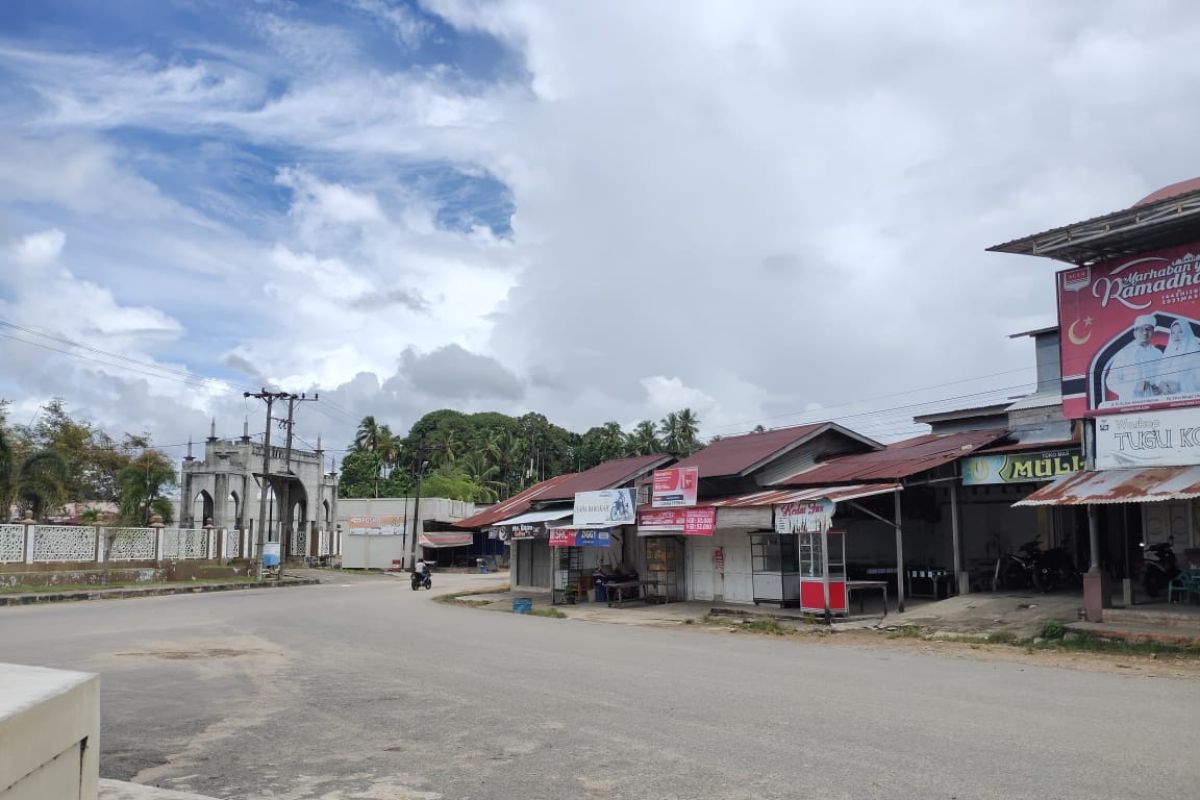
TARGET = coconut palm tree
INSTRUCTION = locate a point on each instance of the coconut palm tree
(507, 452)
(643, 440)
(689, 427)
(474, 467)
(41, 482)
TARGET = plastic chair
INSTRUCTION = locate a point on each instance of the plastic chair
(1186, 584)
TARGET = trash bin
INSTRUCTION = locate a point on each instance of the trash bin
(483, 570)
(601, 589)
(522, 605)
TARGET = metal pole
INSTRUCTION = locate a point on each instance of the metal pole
(285, 533)
(417, 508)
(899, 558)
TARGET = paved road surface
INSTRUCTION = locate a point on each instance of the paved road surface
(367, 690)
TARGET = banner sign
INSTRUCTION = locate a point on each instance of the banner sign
(572, 537)
(675, 487)
(1152, 439)
(532, 530)
(809, 516)
(688, 521)
(1129, 335)
(608, 507)
(374, 525)
(1020, 467)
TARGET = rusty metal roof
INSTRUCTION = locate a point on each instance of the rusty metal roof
(834, 493)
(741, 455)
(514, 505)
(1165, 218)
(897, 461)
(607, 475)
(1146, 485)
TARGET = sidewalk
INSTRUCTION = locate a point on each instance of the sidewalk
(158, 590)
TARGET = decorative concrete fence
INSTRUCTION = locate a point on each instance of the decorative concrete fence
(27, 543)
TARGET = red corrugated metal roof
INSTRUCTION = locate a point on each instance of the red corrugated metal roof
(899, 460)
(608, 475)
(517, 504)
(781, 496)
(1147, 485)
(1030, 447)
(735, 455)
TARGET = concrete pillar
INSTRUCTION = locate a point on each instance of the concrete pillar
(1096, 592)
(100, 549)
(962, 577)
(156, 524)
(30, 533)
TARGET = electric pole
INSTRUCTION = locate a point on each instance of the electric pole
(285, 536)
(270, 398)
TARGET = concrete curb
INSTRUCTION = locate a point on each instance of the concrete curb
(34, 598)
(120, 790)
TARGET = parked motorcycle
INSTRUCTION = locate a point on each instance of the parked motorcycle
(1015, 570)
(1053, 568)
(1159, 566)
(422, 579)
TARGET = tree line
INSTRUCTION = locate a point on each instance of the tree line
(56, 459)
(489, 456)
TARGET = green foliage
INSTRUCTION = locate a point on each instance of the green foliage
(40, 483)
(1002, 637)
(678, 430)
(141, 485)
(1053, 630)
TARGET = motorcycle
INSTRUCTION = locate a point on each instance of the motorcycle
(1015, 570)
(1159, 566)
(1052, 568)
(422, 579)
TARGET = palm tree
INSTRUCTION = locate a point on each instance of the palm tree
(689, 426)
(6, 474)
(367, 437)
(40, 482)
(668, 428)
(380, 443)
(475, 468)
(445, 447)
(140, 486)
(507, 452)
(643, 440)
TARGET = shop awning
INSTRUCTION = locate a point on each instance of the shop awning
(776, 498)
(534, 517)
(1146, 485)
(436, 540)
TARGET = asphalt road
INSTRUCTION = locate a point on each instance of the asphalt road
(365, 690)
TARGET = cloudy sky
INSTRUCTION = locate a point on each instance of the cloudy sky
(770, 212)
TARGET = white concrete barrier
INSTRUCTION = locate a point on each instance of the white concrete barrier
(49, 734)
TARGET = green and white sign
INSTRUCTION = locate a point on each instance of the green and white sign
(1020, 467)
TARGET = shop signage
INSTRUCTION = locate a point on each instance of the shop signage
(803, 517)
(1020, 467)
(517, 532)
(375, 525)
(675, 487)
(1129, 336)
(573, 537)
(688, 521)
(1151, 439)
(608, 507)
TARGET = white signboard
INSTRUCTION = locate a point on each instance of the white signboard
(810, 516)
(1168, 438)
(605, 509)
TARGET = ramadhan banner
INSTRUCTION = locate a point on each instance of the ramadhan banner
(1129, 332)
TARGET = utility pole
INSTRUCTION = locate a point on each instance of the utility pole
(421, 465)
(285, 535)
(270, 398)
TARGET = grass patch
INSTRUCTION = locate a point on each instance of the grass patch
(1084, 643)
(907, 632)
(78, 587)
(1053, 630)
(460, 600)
(1001, 637)
(553, 613)
(767, 625)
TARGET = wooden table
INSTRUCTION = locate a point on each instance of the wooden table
(852, 586)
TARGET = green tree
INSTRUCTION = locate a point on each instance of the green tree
(601, 443)
(39, 483)
(141, 485)
(643, 440)
(678, 430)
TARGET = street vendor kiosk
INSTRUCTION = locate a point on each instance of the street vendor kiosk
(823, 572)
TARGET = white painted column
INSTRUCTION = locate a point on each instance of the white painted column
(30, 533)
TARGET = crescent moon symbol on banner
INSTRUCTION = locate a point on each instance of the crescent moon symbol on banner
(1076, 338)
